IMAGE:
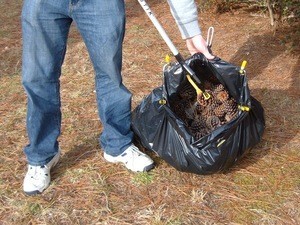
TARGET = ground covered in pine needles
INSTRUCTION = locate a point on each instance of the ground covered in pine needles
(262, 188)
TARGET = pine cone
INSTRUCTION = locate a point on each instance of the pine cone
(220, 111)
(213, 122)
(201, 133)
(198, 135)
(218, 88)
(196, 126)
(222, 96)
(231, 108)
(213, 104)
(200, 115)
(230, 105)
(198, 123)
(207, 112)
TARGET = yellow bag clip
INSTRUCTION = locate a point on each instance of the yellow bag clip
(244, 108)
(162, 101)
(242, 70)
(167, 58)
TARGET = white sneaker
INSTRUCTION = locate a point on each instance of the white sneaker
(37, 178)
(133, 159)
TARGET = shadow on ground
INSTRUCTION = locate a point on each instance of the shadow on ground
(280, 114)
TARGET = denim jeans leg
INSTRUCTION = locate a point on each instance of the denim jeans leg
(102, 25)
(45, 27)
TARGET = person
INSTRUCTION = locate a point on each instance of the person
(45, 27)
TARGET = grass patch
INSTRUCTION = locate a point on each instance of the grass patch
(34, 208)
(143, 178)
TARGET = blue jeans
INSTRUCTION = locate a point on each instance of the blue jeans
(45, 28)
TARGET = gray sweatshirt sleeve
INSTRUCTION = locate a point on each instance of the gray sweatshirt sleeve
(186, 16)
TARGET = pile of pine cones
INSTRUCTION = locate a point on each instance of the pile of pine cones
(203, 116)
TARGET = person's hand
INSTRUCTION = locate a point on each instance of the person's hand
(198, 44)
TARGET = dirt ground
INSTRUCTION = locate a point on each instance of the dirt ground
(262, 188)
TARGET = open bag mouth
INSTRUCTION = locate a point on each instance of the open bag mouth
(200, 115)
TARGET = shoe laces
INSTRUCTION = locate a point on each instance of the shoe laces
(38, 172)
(133, 150)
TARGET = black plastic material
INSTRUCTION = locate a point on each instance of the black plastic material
(161, 131)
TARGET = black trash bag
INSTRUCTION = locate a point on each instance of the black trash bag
(159, 129)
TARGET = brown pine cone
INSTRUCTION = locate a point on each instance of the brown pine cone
(222, 96)
(198, 135)
(213, 122)
(201, 120)
(231, 108)
(230, 104)
(195, 126)
(213, 104)
(198, 123)
(220, 111)
(201, 133)
(229, 117)
(207, 112)
(218, 88)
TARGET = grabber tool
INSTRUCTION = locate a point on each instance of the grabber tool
(199, 87)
